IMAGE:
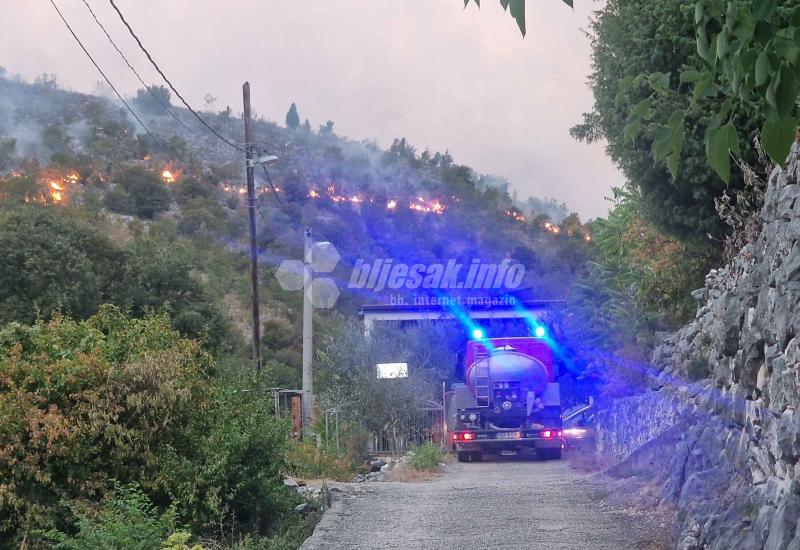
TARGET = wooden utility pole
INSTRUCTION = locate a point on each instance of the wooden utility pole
(251, 209)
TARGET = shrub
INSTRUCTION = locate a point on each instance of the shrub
(126, 520)
(85, 403)
(427, 457)
(140, 193)
(309, 462)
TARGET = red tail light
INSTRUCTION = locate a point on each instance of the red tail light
(469, 437)
(549, 434)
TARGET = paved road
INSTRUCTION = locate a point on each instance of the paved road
(506, 504)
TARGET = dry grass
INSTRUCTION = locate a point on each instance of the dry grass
(404, 474)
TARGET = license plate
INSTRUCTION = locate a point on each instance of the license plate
(509, 435)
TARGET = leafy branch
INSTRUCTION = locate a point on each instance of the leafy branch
(516, 8)
(750, 52)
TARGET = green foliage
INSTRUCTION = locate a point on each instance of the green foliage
(747, 64)
(428, 457)
(85, 403)
(127, 519)
(54, 260)
(57, 261)
(307, 461)
(138, 192)
(517, 10)
(116, 398)
(638, 284)
(292, 118)
(645, 61)
(229, 471)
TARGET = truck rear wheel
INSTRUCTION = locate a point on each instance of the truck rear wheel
(463, 456)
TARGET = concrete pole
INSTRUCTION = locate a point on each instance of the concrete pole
(308, 342)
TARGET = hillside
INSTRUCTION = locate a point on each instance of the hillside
(179, 198)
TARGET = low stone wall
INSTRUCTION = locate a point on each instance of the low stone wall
(628, 423)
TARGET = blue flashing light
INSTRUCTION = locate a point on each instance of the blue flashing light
(477, 334)
(539, 332)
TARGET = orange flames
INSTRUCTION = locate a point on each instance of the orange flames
(168, 176)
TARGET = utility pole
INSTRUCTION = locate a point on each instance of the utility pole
(308, 345)
(251, 208)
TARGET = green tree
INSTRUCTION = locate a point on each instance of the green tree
(54, 261)
(139, 192)
(292, 118)
(656, 37)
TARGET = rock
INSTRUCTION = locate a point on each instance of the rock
(376, 465)
(304, 508)
(290, 482)
(701, 294)
(377, 476)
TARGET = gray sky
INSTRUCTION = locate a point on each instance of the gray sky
(444, 77)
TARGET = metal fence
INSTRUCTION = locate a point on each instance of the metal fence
(426, 426)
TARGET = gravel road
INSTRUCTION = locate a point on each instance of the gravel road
(507, 504)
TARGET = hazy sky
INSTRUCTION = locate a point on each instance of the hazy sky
(444, 77)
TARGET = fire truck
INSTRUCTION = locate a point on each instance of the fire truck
(510, 403)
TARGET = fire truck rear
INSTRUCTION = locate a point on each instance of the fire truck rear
(510, 403)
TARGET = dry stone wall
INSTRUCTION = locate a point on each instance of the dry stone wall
(731, 381)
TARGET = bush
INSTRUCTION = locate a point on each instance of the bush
(115, 398)
(85, 403)
(139, 193)
(427, 457)
(306, 461)
(127, 520)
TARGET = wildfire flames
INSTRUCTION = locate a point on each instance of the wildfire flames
(55, 191)
(168, 176)
(54, 187)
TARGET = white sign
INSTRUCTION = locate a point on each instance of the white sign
(392, 370)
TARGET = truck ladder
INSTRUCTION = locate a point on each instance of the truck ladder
(482, 378)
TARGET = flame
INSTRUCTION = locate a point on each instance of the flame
(167, 176)
(391, 205)
(313, 194)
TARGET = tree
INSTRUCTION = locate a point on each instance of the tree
(140, 193)
(307, 126)
(326, 129)
(155, 100)
(656, 37)
(292, 118)
(54, 261)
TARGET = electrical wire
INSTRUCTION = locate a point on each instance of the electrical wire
(275, 191)
(134, 71)
(177, 93)
(78, 40)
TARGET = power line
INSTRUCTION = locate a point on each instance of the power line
(78, 40)
(125, 59)
(177, 93)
